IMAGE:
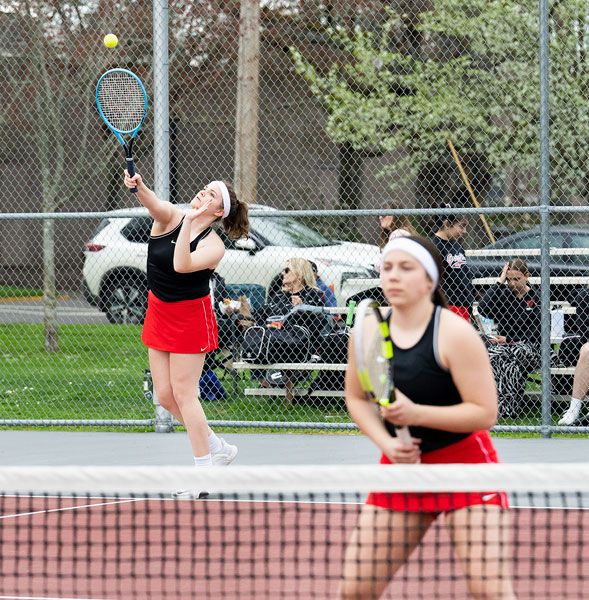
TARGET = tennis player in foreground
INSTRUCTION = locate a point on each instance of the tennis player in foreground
(445, 393)
(180, 325)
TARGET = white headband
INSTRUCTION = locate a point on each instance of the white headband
(225, 196)
(418, 252)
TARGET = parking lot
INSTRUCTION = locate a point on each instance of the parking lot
(70, 310)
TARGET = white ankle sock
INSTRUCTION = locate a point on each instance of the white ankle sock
(575, 406)
(214, 442)
(203, 461)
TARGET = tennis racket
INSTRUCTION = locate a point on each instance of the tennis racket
(121, 100)
(373, 351)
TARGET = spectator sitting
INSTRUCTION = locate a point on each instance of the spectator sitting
(328, 295)
(299, 287)
(581, 378)
(515, 350)
(580, 388)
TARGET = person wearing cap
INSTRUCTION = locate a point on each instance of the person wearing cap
(180, 325)
(446, 395)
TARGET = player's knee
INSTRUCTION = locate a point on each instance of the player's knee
(584, 354)
(353, 589)
(165, 398)
(489, 588)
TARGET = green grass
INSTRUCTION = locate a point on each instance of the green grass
(12, 291)
(98, 374)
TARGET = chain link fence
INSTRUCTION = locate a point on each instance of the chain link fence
(339, 122)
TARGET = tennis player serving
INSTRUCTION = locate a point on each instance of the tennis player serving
(180, 326)
(446, 395)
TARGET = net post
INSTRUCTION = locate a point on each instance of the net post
(163, 418)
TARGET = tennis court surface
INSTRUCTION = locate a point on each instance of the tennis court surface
(272, 532)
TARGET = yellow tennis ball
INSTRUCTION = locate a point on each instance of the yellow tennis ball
(110, 40)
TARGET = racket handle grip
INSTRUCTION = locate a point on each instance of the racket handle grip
(131, 170)
(350, 313)
(403, 434)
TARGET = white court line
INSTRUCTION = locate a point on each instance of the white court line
(51, 510)
(42, 598)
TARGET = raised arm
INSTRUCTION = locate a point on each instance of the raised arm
(210, 250)
(161, 212)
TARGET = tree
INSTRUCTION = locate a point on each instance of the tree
(475, 79)
(48, 83)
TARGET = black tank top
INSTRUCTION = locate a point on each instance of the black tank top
(418, 374)
(163, 281)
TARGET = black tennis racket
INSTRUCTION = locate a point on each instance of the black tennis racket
(121, 100)
(373, 351)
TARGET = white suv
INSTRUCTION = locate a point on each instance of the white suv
(115, 259)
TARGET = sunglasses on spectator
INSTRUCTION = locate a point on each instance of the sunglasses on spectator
(286, 270)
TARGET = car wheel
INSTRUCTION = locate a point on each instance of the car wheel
(126, 301)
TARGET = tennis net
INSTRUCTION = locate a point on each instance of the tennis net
(285, 532)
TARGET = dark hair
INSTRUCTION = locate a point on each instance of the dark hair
(236, 224)
(519, 264)
(438, 297)
(446, 220)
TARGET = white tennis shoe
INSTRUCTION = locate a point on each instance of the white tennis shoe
(190, 494)
(225, 455)
(221, 458)
(572, 414)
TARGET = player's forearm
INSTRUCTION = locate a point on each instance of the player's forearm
(147, 197)
(366, 416)
(159, 210)
(459, 418)
(182, 259)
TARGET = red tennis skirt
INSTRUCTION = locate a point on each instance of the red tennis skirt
(183, 327)
(461, 311)
(476, 448)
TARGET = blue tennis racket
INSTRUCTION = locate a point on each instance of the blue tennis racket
(121, 100)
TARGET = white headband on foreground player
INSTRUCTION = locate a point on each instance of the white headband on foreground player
(225, 196)
(418, 252)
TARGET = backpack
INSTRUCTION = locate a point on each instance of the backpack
(266, 345)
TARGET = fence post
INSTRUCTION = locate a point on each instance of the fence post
(161, 106)
(544, 52)
(163, 418)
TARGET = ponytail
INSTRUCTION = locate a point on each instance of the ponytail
(236, 224)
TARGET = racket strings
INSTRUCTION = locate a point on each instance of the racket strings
(377, 366)
(122, 101)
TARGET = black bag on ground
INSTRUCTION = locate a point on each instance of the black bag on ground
(267, 345)
(333, 346)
